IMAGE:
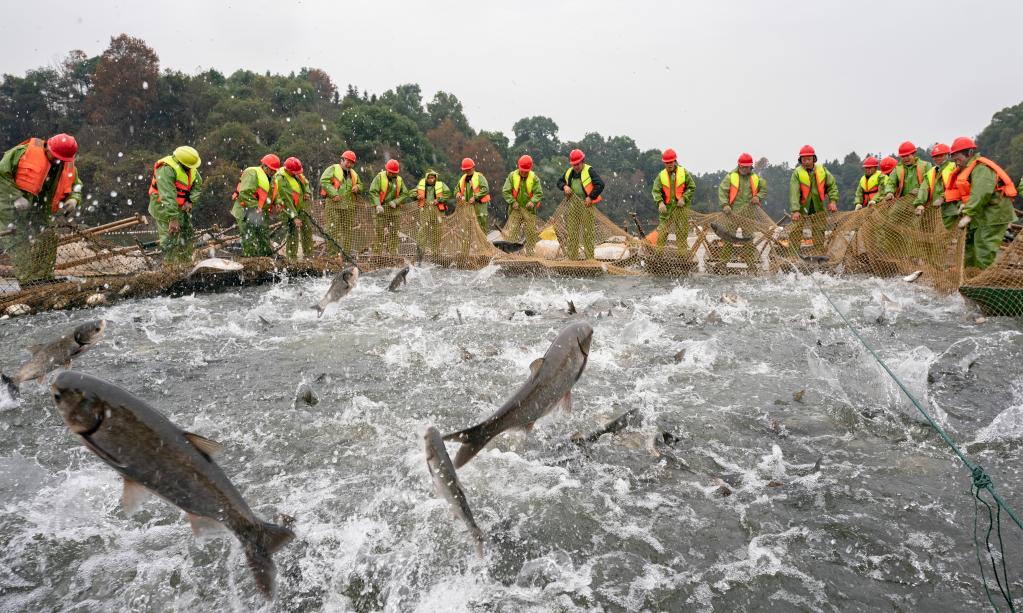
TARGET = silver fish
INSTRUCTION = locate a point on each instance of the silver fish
(446, 482)
(398, 280)
(218, 264)
(340, 287)
(551, 382)
(47, 357)
(155, 456)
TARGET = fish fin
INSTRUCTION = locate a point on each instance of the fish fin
(566, 402)
(207, 447)
(534, 367)
(133, 496)
(259, 554)
(473, 441)
(203, 526)
(12, 387)
(319, 310)
(106, 457)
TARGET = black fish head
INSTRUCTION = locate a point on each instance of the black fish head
(82, 412)
(90, 332)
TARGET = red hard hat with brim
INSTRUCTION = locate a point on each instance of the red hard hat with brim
(907, 148)
(525, 163)
(870, 162)
(962, 144)
(392, 166)
(745, 160)
(468, 164)
(669, 156)
(271, 161)
(63, 147)
(940, 149)
(888, 164)
(807, 150)
(293, 165)
(576, 156)
(349, 155)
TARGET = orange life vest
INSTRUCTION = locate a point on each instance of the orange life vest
(475, 182)
(680, 184)
(1003, 184)
(733, 185)
(263, 186)
(33, 168)
(900, 172)
(820, 174)
(870, 186)
(184, 177)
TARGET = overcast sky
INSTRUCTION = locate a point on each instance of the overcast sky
(710, 79)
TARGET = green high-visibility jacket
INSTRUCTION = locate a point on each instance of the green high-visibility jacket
(744, 195)
(335, 181)
(382, 190)
(428, 193)
(530, 190)
(253, 181)
(292, 192)
(986, 206)
(813, 203)
(910, 181)
(9, 191)
(164, 205)
(939, 176)
(878, 180)
(687, 194)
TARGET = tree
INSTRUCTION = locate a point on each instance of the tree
(407, 100)
(447, 106)
(377, 134)
(537, 136)
(124, 86)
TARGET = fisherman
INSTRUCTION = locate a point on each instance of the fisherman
(985, 194)
(741, 192)
(253, 198)
(173, 189)
(807, 195)
(909, 173)
(580, 179)
(339, 185)
(871, 185)
(294, 197)
(888, 164)
(433, 196)
(672, 192)
(523, 193)
(388, 191)
(37, 180)
(479, 199)
(936, 182)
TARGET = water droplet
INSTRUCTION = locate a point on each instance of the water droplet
(113, 194)
(145, 85)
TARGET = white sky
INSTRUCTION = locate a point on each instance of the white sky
(710, 79)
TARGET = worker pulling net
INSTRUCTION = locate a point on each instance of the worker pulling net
(999, 288)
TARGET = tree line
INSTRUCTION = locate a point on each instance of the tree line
(126, 113)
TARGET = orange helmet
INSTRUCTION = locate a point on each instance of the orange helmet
(907, 148)
(745, 160)
(888, 164)
(392, 166)
(962, 144)
(576, 156)
(63, 147)
(807, 150)
(349, 155)
(870, 162)
(669, 156)
(525, 163)
(940, 149)
(468, 164)
(293, 165)
(271, 161)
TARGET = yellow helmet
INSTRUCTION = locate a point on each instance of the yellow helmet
(187, 156)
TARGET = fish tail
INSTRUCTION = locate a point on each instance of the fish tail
(12, 387)
(473, 441)
(319, 310)
(259, 554)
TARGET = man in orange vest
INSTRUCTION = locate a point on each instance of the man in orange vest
(872, 184)
(174, 186)
(936, 183)
(985, 195)
(37, 179)
(587, 186)
(339, 185)
(387, 191)
(472, 189)
(908, 174)
(294, 197)
(810, 187)
(523, 193)
(253, 198)
(741, 192)
(672, 192)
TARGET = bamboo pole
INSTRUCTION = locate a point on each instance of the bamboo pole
(96, 258)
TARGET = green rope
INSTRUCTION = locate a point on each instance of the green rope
(981, 480)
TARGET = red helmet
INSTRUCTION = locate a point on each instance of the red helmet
(745, 160)
(668, 156)
(870, 162)
(807, 150)
(576, 156)
(293, 165)
(271, 161)
(468, 164)
(63, 147)
(907, 148)
(888, 164)
(962, 144)
(525, 163)
(349, 155)
(940, 149)
(392, 166)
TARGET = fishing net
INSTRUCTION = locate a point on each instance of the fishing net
(122, 259)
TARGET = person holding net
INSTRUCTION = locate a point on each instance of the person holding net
(174, 187)
(474, 190)
(523, 193)
(388, 191)
(872, 185)
(294, 196)
(38, 180)
(810, 187)
(740, 194)
(253, 198)
(985, 194)
(339, 185)
(433, 196)
(584, 187)
(672, 192)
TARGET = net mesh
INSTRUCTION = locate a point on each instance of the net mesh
(69, 266)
